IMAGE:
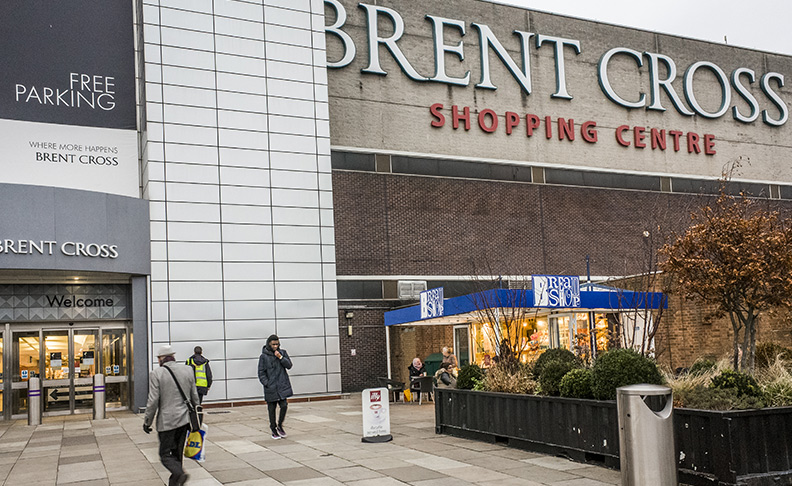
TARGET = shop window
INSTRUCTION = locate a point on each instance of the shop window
(694, 186)
(455, 288)
(786, 192)
(359, 289)
(352, 161)
(601, 179)
(531, 335)
(457, 168)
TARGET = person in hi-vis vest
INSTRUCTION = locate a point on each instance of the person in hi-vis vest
(203, 373)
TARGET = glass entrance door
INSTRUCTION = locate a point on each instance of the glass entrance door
(462, 345)
(69, 367)
(85, 362)
(66, 360)
(56, 386)
(561, 330)
(25, 356)
(114, 361)
(2, 382)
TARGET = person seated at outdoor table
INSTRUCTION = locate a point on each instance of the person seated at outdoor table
(449, 358)
(417, 368)
(445, 377)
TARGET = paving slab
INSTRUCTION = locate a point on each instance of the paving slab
(323, 448)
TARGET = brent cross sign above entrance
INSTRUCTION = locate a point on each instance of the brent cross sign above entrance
(736, 96)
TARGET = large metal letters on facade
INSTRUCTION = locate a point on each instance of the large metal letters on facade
(773, 109)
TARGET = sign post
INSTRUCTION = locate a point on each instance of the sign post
(376, 415)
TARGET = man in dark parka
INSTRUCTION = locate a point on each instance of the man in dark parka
(272, 367)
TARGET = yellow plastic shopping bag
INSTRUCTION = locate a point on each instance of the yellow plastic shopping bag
(194, 448)
(407, 395)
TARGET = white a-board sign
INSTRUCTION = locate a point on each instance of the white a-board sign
(376, 415)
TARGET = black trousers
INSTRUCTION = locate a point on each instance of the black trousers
(271, 409)
(171, 451)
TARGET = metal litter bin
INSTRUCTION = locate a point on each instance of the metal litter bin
(646, 437)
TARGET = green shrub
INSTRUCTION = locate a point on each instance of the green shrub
(577, 384)
(778, 393)
(768, 353)
(702, 366)
(707, 398)
(621, 367)
(466, 376)
(554, 354)
(743, 383)
(552, 374)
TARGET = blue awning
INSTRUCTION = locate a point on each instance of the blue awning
(465, 308)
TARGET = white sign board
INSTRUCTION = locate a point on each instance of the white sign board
(87, 158)
(432, 303)
(376, 415)
(68, 113)
(556, 291)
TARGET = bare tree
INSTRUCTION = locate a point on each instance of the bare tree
(503, 304)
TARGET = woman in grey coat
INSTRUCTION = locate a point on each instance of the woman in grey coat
(272, 367)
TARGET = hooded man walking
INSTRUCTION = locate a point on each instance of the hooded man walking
(166, 401)
(203, 373)
(272, 367)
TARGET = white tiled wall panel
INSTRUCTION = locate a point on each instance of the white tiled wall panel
(237, 169)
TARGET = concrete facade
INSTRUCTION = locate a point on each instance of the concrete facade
(391, 113)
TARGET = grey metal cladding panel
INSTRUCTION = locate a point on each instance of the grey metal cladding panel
(37, 214)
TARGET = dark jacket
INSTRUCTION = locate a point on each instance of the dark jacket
(272, 375)
(416, 372)
(199, 360)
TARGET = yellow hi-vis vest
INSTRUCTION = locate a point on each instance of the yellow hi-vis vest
(200, 374)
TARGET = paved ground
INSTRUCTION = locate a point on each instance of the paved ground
(323, 449)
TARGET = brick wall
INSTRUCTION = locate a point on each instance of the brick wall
(687, 333)
(368, 340)
(410, 225)
(417, 341)
(390, 224)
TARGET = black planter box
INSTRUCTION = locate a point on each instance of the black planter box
(583, 430)
(747, 447)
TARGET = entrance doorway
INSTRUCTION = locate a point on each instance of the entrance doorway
(66, 360)
(462, 344)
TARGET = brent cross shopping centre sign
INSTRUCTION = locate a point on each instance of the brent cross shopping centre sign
(745, 94)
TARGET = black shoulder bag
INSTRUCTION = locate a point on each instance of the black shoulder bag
(195, 424)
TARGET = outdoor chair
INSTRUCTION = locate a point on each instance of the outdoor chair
(421, 385)
(396, 387)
